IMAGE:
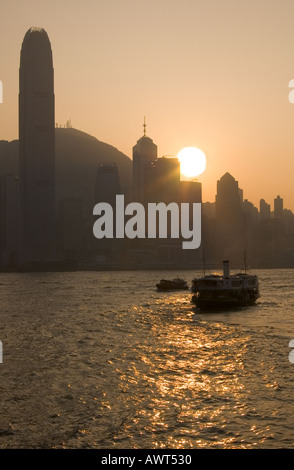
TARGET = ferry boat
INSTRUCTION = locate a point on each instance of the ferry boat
(172, 284)
(225, 291)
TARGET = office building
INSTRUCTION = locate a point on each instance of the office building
(37, 148)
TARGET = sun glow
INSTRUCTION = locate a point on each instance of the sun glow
(193, 161)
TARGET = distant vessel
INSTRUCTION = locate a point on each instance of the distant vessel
(172, 284)
(225, 291)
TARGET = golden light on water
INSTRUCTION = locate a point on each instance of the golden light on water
(193, 161)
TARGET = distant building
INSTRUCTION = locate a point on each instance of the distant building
(251, 213)
(264, 210)
(162, 180)
(208, 209)
(228, 200)
(70, 227)
(278, 207)
(9, 220)
(230, 220)
(107, 184)
(190, 191)
(37, 147)
(164, 185)
(144, 152)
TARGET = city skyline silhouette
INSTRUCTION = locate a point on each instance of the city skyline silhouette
(146, 303)
(44, 236)
(204, 81)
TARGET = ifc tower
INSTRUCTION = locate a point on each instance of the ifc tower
(36, 148)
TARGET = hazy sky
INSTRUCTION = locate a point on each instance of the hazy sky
(207, 73)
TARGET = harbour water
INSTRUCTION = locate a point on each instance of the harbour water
(103, 360)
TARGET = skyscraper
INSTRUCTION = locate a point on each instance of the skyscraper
(107, 187)
(264, 210)
(228, 200)
(230, 220)
(37, 147)
(278, 207)
(9, 236)
(70, 227)
(144, 152)
(107, 184)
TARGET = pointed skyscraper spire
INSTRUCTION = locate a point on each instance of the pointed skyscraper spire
(144, 152)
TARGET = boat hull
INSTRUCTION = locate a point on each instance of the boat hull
(223, 302)
(174, 284)
(170, 287)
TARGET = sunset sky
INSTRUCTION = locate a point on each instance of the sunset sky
(206, 73)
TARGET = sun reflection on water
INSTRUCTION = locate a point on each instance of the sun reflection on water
(140, 369)
(196, 378)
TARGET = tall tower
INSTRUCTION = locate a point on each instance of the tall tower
(230, 219)
(37, 147)
(278, 207)
(144, 152)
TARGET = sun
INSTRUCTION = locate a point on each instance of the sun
(193, 161)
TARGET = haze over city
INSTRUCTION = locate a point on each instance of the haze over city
(208, 74)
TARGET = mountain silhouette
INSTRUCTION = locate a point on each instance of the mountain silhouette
(77, 157)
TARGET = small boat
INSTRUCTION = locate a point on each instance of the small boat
(225, 291)
(172, 284)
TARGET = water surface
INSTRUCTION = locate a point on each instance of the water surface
(103, 360)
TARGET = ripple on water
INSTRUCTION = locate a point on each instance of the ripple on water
(107, 363)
